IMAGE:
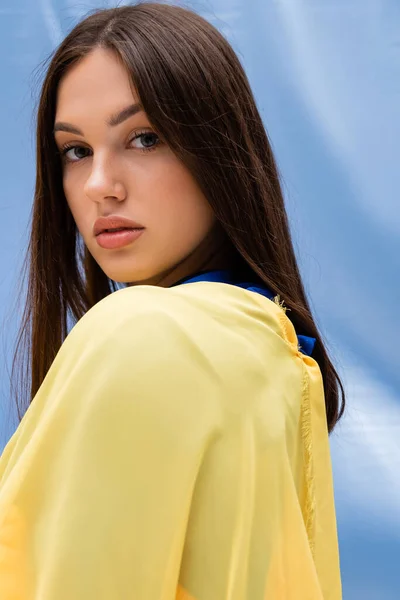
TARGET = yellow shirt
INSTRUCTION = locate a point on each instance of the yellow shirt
(177, 449)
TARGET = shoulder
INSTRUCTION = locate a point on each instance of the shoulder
(143, 322)
(130, 362)
(174, 358)
(150, 313)
(132, 332)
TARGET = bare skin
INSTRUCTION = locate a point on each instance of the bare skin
(108, 172)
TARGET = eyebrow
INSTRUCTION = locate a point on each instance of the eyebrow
(113, 121)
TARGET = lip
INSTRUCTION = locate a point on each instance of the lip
(112, 222)
(118, 239)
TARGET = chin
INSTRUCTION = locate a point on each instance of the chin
(128, 276)
(130, 279)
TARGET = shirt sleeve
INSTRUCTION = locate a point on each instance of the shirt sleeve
(107, 460)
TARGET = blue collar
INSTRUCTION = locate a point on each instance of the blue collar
(306, 343)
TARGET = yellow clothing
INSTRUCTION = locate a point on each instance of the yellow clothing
(177, 449)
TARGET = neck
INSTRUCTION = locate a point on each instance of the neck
(215, 252)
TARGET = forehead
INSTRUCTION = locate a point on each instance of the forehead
(99, 80)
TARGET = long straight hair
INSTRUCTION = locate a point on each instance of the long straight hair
(196, 95)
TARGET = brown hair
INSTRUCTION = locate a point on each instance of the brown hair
(198, 98)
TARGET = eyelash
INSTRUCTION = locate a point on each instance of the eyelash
(68, 146)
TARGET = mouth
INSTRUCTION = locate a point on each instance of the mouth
(118, 237)
(120, 229)
(114, 224)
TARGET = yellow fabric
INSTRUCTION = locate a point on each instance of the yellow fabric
(176, 450)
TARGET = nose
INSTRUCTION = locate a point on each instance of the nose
(104, 181)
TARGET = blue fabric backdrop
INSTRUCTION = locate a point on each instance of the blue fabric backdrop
(326, 76)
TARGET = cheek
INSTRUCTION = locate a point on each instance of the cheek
(76, 212)
(183, 219)
(75, 201)
(69, 184)
(179, 209)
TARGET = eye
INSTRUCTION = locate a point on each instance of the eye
(147, 137)
(72, 153)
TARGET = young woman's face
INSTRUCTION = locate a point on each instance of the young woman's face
(124, 169)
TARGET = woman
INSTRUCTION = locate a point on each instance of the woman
(176, 444)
